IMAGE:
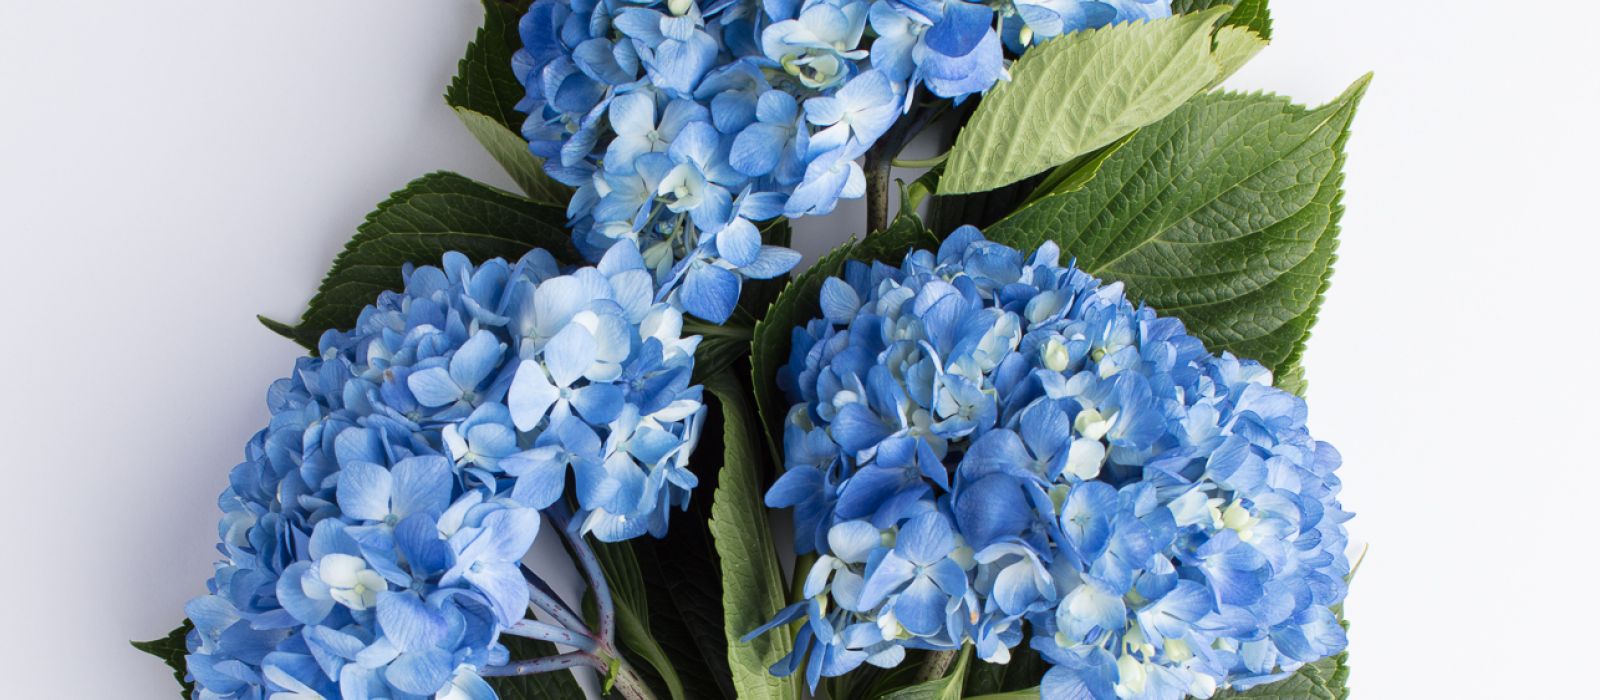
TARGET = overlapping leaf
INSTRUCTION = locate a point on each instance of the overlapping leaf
(1077, 93)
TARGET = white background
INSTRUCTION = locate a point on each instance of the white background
(169, 169)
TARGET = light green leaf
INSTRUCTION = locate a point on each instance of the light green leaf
(634, 633)
(1224, 214)
(1250, 14)
(432, 215)
(172, 649)
(1235, 46)
(946, 688)
(511, 152)
(1079, 92)
(1077, 173)
(753, 587)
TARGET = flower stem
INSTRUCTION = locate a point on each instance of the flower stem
(546, 664)
(534, 629)
(591, 570)
(541, 596)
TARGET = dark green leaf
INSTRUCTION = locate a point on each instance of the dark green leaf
(753, 586)
(1251, 14)
(434, 214)
(484, 82)
(172, 649)
(1225, 215)
(556, 685)
(484, 94)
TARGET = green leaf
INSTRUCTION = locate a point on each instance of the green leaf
(1323, 680)
(511, 152)
(484, 95)
(556, 685)
(753, 586)
(172, 649)
(1077, 173)
(633, 632)
(484, 82)
(1225, 214)
(946, 688)
(1077, 93)
(432, 215)
(797, 304)
(1250, 14)
(1234, 47)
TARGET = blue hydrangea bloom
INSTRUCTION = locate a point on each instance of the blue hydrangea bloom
(985, 446)
(374, 534)
(682, 122)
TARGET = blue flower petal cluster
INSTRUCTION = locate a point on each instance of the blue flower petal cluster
(374, 534)
(982, 442)
(683, 122)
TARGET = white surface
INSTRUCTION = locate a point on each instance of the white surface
(169, 169)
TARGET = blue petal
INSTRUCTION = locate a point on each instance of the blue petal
(710, 292)
(410, 623)
(739, 243)
(433, 387)
(569, 354)
(364, 491)
(421, 485)
(920, 607)
(476, 360)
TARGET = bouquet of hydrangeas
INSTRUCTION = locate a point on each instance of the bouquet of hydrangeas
(1038, 431)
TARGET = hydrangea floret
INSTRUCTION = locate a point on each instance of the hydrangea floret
(374, 534)
(985, 446)
(682, 123)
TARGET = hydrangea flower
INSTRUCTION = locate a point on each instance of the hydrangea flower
(982, 442)
(681, 122)
(374, 534)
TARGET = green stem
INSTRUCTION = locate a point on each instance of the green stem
(923, 163)
(695, 327)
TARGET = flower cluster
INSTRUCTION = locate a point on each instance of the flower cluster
(683, 122)
(374, 534)
(982, 440)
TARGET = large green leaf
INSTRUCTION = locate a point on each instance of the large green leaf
(753, 586)
(1077, 93)
(484, 94)
(434, 214)
(1250, 14)
(1224, 214)
(797, 304)
(556, 685)
(172, 649)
